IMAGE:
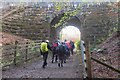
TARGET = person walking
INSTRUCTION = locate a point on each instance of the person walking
(61, 54)
(67, 52)
(54, 51)
(72, 46)
(44, 52)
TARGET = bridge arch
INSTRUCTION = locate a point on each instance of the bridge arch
(73, 21)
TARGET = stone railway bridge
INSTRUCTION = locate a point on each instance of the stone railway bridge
(35, 22)
(31, 23)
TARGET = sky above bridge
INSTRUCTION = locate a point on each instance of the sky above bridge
(59, 0)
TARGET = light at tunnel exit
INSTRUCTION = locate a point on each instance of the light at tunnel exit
(70, 33)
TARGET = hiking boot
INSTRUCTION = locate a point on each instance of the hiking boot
(56, 61)
(58, 64)
(61, 65)
(43, 67)
(64, 61)
(52, 61)
(45, 64)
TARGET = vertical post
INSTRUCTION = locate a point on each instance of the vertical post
(14, 61)
(119, 61)
(94, 42)
(83, 51)
(88, 60)
(26, 52)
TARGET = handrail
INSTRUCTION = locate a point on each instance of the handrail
(114, 69)
(20, 51)
(88, 61)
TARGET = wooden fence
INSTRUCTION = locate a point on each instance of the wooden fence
(89, 58)
(20, 52)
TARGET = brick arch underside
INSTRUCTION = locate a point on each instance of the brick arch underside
(73, 21)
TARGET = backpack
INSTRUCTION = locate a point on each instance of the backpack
(61, 48)
(68, 45)
(66, 49)
(55, 44)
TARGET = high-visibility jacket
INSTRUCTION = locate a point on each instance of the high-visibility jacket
(44, 47)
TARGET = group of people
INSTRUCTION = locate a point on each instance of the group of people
(60, 51)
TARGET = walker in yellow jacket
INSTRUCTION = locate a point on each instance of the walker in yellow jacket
(43, 47)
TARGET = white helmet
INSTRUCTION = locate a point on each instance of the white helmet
(47, 40)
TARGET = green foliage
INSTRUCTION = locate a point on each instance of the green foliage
(19, 57)
(59, 6)
(5, 62)
(32, 47)
(77, 45)
(67, 16)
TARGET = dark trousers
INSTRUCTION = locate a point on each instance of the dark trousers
(54, 56)
(71, 51)
(45, 55)
(61, 57)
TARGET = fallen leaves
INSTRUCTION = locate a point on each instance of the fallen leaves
(111, 58)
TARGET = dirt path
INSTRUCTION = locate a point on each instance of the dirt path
(71, 69)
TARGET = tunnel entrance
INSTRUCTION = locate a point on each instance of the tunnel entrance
(75, 26)
(70, 33)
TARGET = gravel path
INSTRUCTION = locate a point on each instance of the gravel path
(71, 69)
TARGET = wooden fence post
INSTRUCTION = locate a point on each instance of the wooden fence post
(26, 52)
(15, 53)
(88, 60)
